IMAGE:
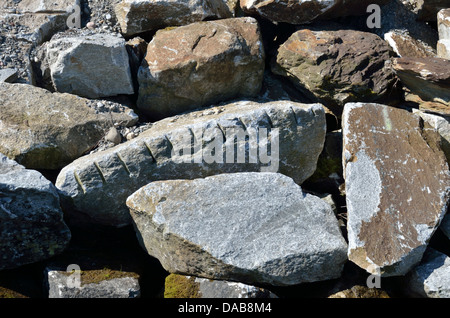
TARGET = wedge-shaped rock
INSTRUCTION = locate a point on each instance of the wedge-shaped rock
(199, 65)
(43, 130)
(257, 228)
(431, 278)
(196, 145)
(397, 184)
(32, 228)
(137, 16)
(89, 64)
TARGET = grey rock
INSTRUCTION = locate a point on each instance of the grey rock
(138, 16)
(98, 184)
(32, 228)
(62, 285)
(44, 130)
(397, 186)
(89, 64)
(208, 288)
(255, 227)
(431, 278)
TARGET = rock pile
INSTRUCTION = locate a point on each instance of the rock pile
(215, 148)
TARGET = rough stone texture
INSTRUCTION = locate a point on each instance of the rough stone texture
(199, 65)
(443, 49)
(32, 228)
(59, 286)
(431, 278)
(97, 185)
(444, 24)
(89, 64)
(251, 227)
(429, 78)
(46, 6)
(337, 67)
(345, 8)
(406, 46)
(137, 16)
(43, 130)
(425, 10)
(397, 186)
(180, 286)
(442, 126)
(293, 12)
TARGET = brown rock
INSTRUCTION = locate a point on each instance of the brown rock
(201, 64)
(406, 46)
(397, 185)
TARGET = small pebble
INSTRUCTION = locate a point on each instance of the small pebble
(114, 136)
(91, 25)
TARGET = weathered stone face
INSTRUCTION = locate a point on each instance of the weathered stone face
(249, 227)
(32, 228)
(397, 184)
(43, 130)
(406, 46)
(199, 65)
(429, 77)
(137, 16)
(89, 64)
(337, 67)
(288, 11)
(97, 185)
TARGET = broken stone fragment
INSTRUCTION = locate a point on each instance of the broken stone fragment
(96, 186)
(199, 65)
(250, 227)
(397, 183)
(406, 46)
(44, 130)
(32, 228)
(138, 16)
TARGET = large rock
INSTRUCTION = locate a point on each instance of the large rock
(138, 16)
(406, 46)
(345, 8)
(97, 185)
(32, 228)
(397, 186)
(88, 63)
(443, 45)
(429, 78)
(431, 278)
(249, 227)
(337, 67)
(43, 130)
(201, 64)
(180, 286)
(293, 12)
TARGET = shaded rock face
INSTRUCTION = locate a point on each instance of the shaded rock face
(96, 186)
(138, 16)
(32, 228)
(43, 130)
(425, 10)
(288, 11)
(201, 64)
(88, 64)
(397, 185)
(337, 67)
(268, 231)
(429, 78)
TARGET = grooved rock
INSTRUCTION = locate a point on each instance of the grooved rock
(397, 184)
(431, 278)
(89, 64)
(32, 228)
(336, 67)
(429, 78)
(201, 64)
(138, 16)
(195, 145)
(250, 227)
(44, 130)
(293, 12)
